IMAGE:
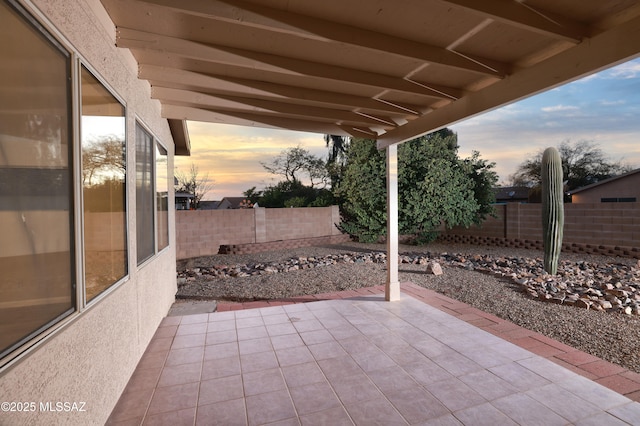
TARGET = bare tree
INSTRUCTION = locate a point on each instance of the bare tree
(583, 163)
(103, 159)
(192, 183)
(294, 162)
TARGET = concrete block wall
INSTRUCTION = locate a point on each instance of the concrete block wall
(203, 232)
(101, 238)
(492, 227)
(607, 228)
(292, 223)
(616, 224)
(530, 221)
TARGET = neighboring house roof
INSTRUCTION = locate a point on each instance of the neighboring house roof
(606, 181)
(507, 193)
(209, 205)
(234, 202)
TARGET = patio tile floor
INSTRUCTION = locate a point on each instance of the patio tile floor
(423, 360)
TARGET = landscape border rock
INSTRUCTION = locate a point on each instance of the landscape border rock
(609, 287)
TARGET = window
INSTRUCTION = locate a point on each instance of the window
(152, 191)
(162, 196)
(618, 200)
(36, 201)
(104, 187)
(144, 194)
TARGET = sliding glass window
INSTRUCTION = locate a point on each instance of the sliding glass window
(145, 229)
(162, 196)
(104, 189)
(36, 200)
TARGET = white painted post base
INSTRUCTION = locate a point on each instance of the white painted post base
(392, 291)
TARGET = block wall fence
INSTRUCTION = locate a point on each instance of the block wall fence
(603, 228)
(207, 232)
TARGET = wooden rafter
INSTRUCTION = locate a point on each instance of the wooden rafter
(523, 16)
(258, 61)
(264, 17)
(220, 84)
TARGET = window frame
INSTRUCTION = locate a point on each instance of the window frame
(21, 349)
(155, 141)
(75, 61)
(82, 289)
(152, 139)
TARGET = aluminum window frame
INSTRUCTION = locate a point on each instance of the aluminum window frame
(155, 141)
(40, 336)
(82, 63)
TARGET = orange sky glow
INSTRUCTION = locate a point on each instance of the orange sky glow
(602, 108)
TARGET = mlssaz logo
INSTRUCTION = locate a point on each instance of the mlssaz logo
(60, 406)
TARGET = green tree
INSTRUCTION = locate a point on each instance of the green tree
(583, 163)
(252, 195)
(435, 187)
(278, 195)
(484, 183)
(363, 191)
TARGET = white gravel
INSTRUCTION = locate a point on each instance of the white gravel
(613, 337)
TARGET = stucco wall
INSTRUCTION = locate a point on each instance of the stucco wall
(202, 232)
(625, 187)
(92, 356)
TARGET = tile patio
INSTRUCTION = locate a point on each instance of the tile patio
(352, 358)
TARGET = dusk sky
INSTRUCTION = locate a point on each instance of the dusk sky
(603, 108)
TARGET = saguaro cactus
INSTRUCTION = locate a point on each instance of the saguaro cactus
(552, 208)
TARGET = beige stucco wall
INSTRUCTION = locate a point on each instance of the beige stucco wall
(625, 187)
(91, 358)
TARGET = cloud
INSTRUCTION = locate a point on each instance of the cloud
(613, 103)
(588, 78)
(625, 71)
(558, 108)
(232, 155)
(602, 108)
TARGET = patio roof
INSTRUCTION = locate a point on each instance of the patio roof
(389, 69)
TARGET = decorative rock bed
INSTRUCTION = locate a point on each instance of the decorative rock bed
(603, 287)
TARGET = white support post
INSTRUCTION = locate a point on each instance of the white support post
(392, 288)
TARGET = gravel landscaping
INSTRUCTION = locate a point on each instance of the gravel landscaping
(477, 275)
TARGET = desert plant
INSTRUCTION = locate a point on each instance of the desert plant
(552, 208)
(435, 187)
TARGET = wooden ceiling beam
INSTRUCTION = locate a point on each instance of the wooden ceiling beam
(276, 20)
(180, 112)
(257, 61)
(601, 51)
(524, 16)
(258, 106)
(219, 84)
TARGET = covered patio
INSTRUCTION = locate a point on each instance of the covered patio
(389, 71)
(351, 358)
